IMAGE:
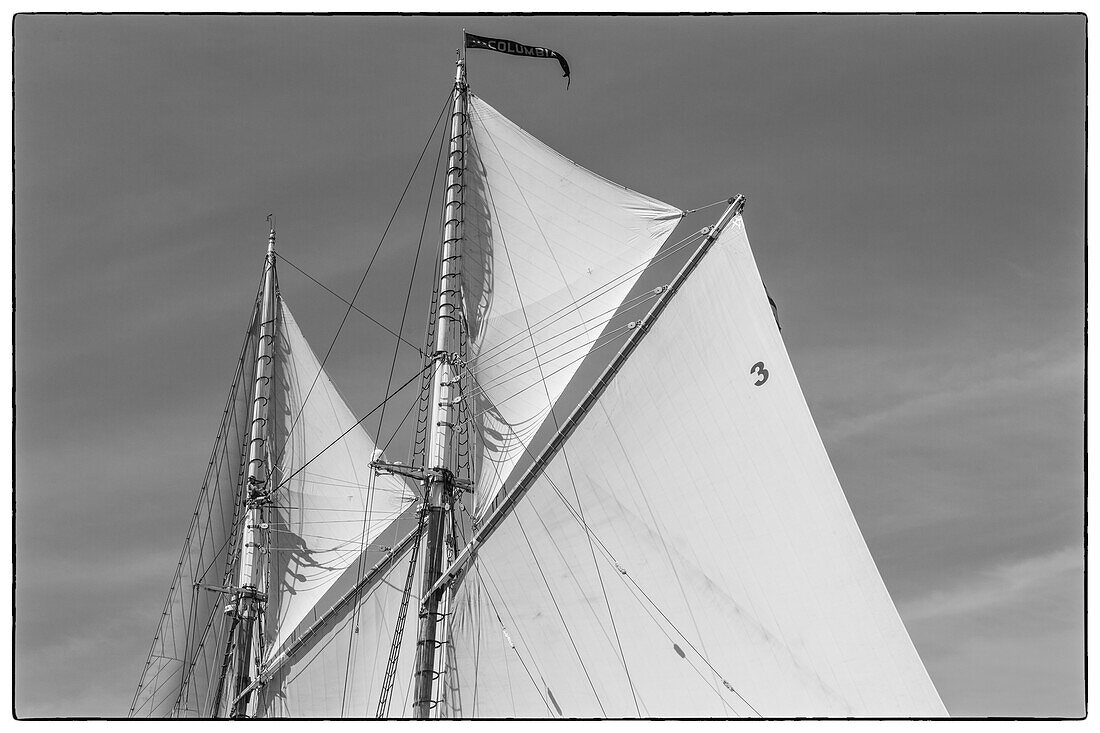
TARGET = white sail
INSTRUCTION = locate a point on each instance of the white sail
(330, 506)
(685, 551)
(181, 674)
(338, 670)
(549, 252)
(689, 552)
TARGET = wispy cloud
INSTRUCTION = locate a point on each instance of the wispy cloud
(1007, 374)
(997, 586)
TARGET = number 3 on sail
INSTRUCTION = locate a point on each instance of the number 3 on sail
(758, 368)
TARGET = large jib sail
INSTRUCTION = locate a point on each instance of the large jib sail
(688, 552)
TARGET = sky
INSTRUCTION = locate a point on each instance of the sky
(916, 205)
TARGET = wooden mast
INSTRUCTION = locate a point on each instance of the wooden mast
(250, 593)
(440, 479)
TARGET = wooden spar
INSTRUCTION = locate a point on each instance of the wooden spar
(443, 387)
(498, 509)
(250, 579)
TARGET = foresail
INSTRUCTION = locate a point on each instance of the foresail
(550, 250)
(689, 552)
(181, 674)
(331, 508)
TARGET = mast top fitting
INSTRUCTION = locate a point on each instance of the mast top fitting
(271, 234)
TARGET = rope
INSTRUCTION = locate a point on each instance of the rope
(363, 279)
(611, 338)
(665, 252)
(382, 413)
(484, 363)
(504, 629)
(726, 201)
(342, 299)
(599, 575)
(220, 445)
(286, 481)
(661, 536)
(610, 558)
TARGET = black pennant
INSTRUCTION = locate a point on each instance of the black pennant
(517, 49)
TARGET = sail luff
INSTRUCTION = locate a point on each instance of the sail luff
(498, 509)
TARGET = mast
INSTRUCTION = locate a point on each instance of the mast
(250, 592)
(440, 479)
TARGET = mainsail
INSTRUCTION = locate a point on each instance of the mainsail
(680, 546)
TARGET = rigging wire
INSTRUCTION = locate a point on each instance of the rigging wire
(401, 424)
(389, 380)
(228, 416)
(560, 616)
(357, 309)
(663, 254)
(515, 373)
(611, 338)
(726, 201)
(286, 480)
(614, 562)
(599, 575)
(607, 336)
(497, 359)
(661, 536)
(366, 272)
(610, 558)
(477, 569)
